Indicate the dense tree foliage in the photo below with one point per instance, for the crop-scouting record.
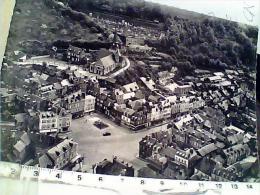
(211, 43)
(132, 8)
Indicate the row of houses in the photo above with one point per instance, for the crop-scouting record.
(176, 163)
(51, 122)
(78, 104)
(130, 106)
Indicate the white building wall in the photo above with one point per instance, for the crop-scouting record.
(89, 103)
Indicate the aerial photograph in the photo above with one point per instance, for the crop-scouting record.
(129, 88)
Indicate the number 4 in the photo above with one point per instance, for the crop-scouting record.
(249, 186)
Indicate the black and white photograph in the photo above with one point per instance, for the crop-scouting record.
(130, 88)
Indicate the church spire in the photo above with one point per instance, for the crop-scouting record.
(116, 39)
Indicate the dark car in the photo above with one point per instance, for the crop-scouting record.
(106, 134)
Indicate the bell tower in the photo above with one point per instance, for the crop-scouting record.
(115, 48)
(116, 41)
(117, 55)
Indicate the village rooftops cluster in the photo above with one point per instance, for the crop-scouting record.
(218, 138)
(184, 150)
(210, 116)
(134, 34)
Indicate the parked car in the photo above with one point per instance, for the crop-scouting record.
(106, 134)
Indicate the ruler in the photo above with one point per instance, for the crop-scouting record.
(59, 181)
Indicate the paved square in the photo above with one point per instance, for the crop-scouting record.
(95, 147)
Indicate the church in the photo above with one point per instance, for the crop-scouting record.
(107, 60)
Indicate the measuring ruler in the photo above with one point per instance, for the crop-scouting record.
(53, 181)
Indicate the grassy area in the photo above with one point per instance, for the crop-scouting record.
(35, 26)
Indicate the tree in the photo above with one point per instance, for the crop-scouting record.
(210, 35)
(185, 68)
(199, 59)
(204, 48)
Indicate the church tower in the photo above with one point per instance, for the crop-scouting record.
(116, 40)
(117, 55)
(115, 48)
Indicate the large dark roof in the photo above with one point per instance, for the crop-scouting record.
(206, 166)
(102, 53)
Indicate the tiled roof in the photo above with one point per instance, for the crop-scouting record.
(102, 53)
(106, 61)
(20, 146)
(206, 166)
(229, 175)
(131, 87)
(26, 139)
(169, 152)
(207, 149)
(129, 111)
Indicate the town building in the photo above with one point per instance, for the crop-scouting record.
(116, 167)
(76, 55)
(48, 122)
(236, 153)
(21, 148)
(61, 155)
(75, 104)
(146, 146)
(64, 121)
(90, 102)
(223, 175)
(135, 120)
(106, 63)
(183, 89)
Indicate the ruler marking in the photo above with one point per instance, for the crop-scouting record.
(104, 181)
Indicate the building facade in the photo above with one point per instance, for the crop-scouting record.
(48, 122)
(89, 104)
